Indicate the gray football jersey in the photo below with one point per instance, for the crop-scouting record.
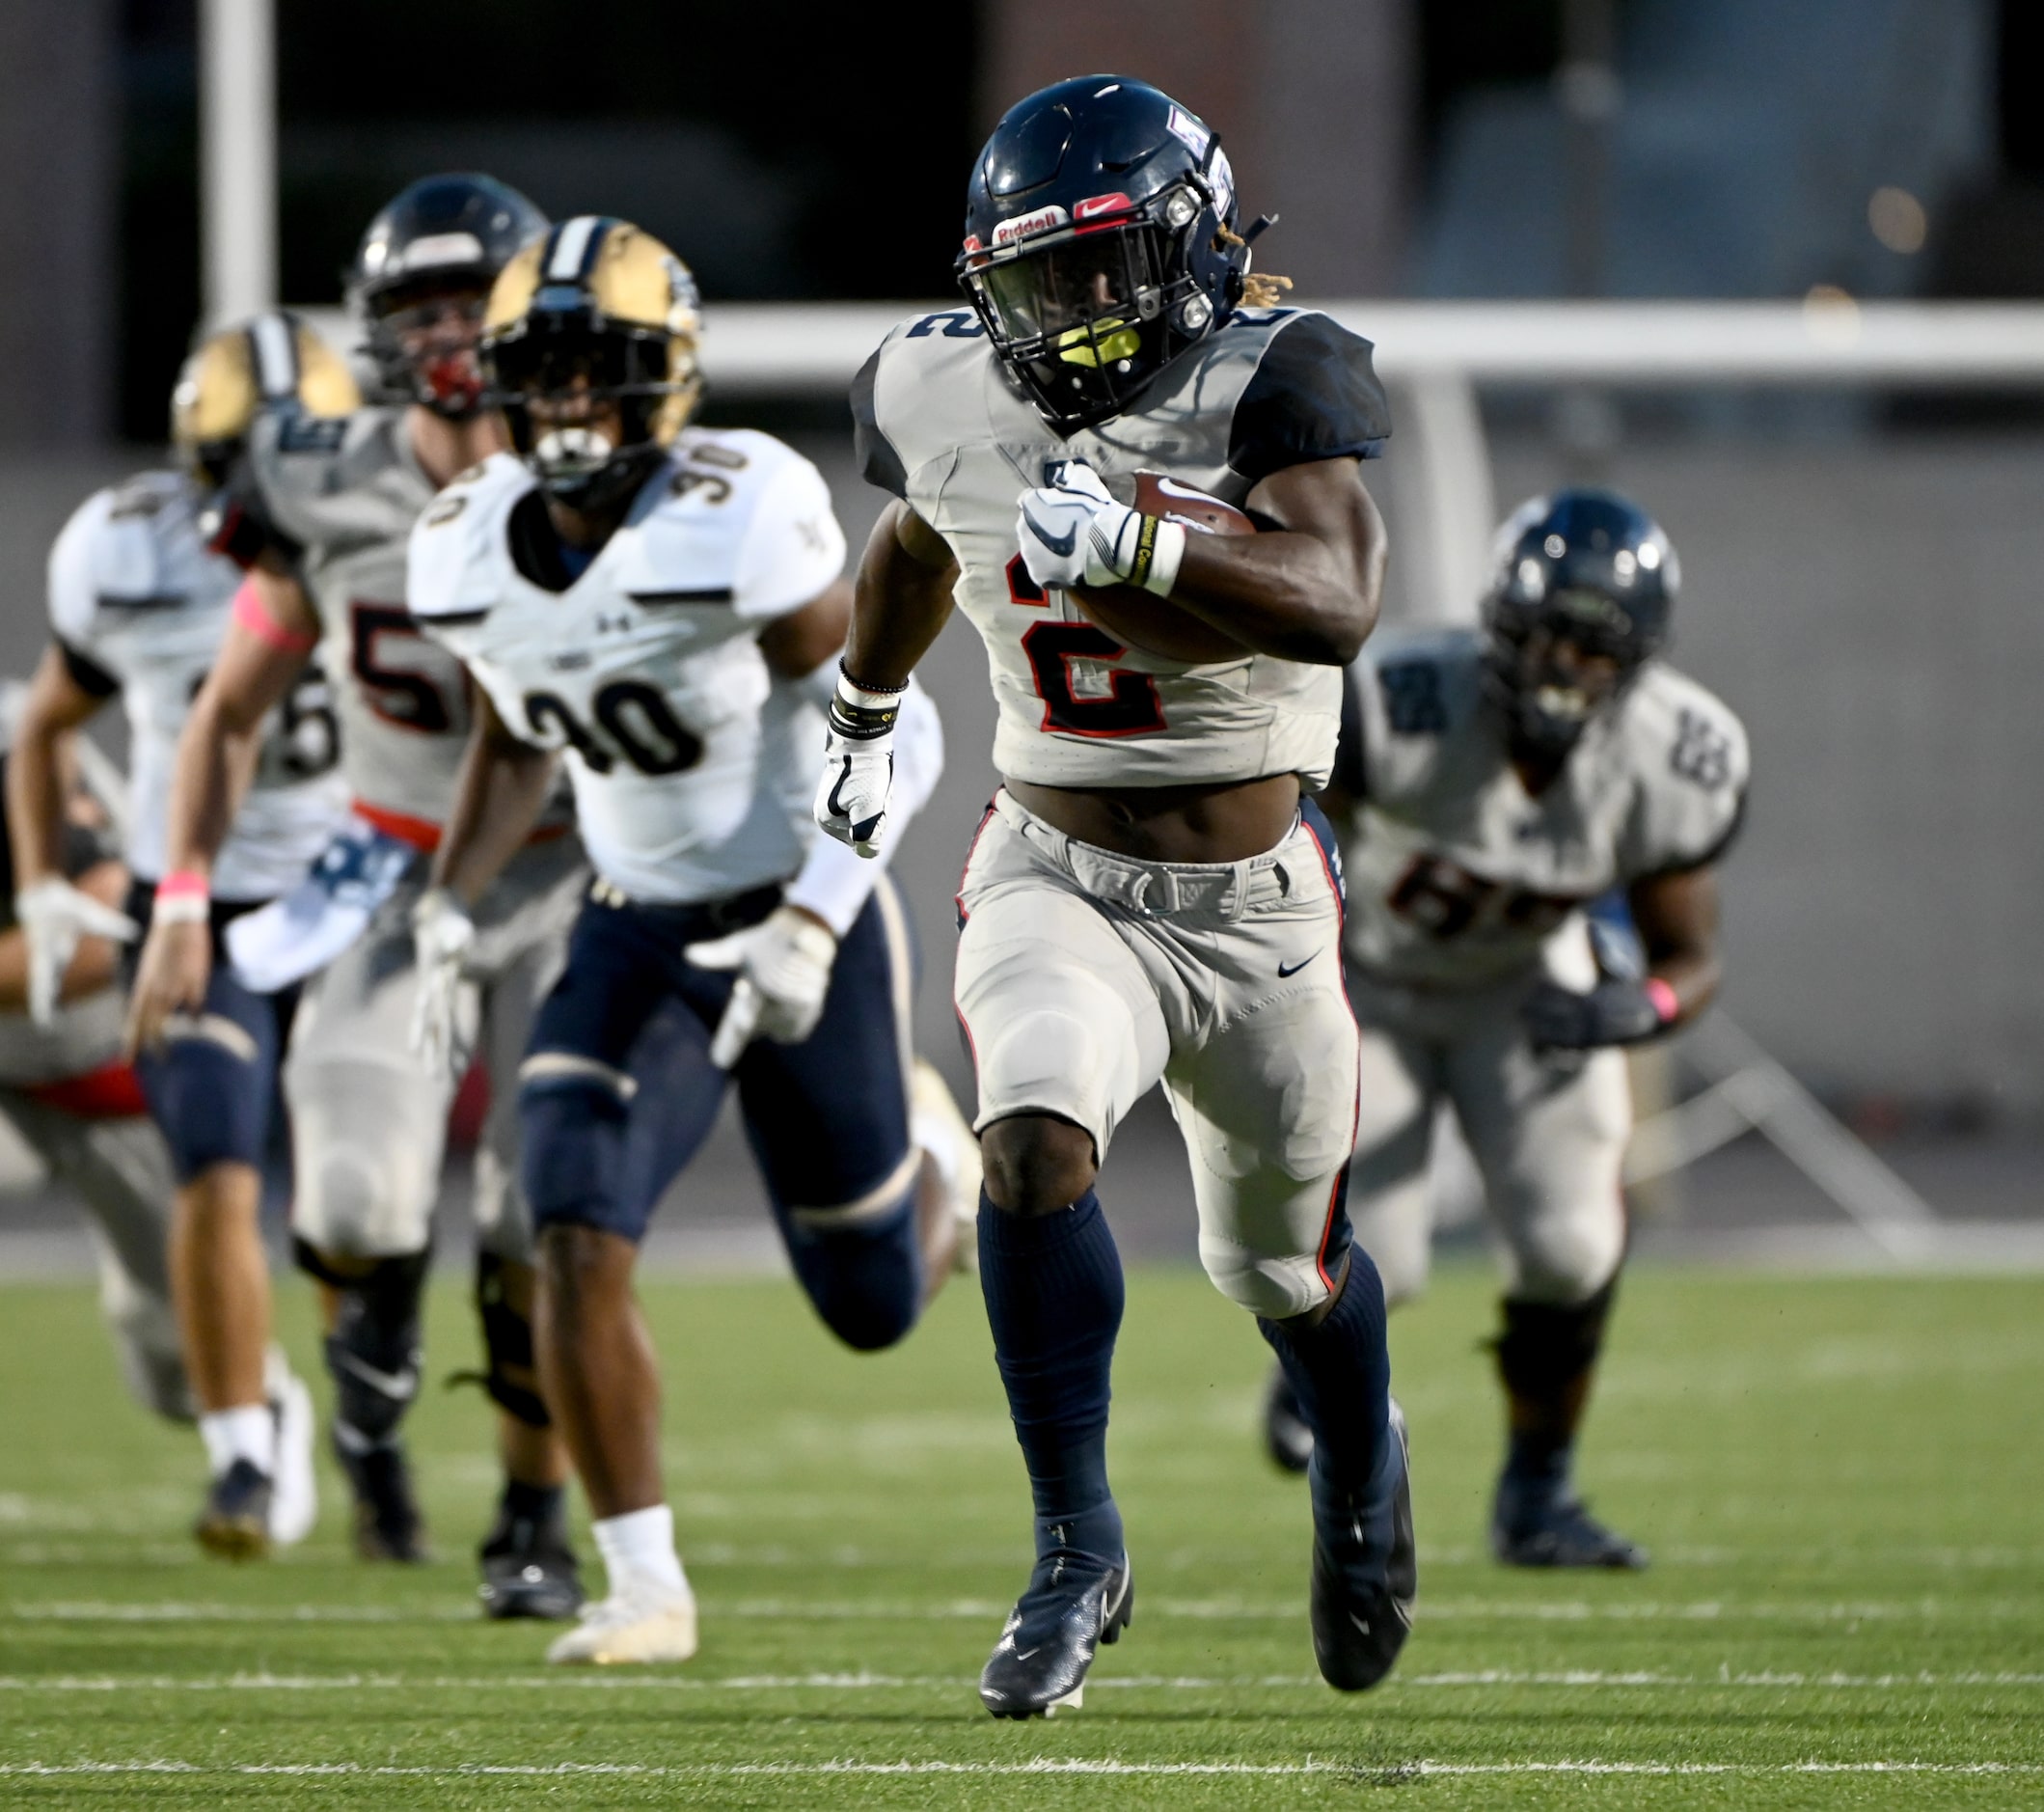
(137, 603)
(341, 494)
(1457, 877)
(940, 425)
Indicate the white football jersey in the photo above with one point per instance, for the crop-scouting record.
(940, 425)
(645, 669)
(1457, 877)
(341, 495)
(138, 603)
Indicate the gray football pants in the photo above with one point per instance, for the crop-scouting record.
(121, 1172)
(368, 1118)
(1548, 1131)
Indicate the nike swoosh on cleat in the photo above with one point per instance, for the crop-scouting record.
(1057, 544)
(1361, 1623)
(400, 1386)
(1023, 1654)
(1283, 971)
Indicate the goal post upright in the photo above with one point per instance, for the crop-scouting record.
(237, 158)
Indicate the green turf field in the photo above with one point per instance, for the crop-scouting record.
(1842, 1481)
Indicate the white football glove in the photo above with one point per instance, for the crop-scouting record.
(1072, 532)
(442, 934)
(783, 967)
(858, 764)
(53, 915)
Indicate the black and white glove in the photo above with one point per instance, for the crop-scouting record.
(53, 915)
(443, 935)
(1072, 532)
(783, 968)
(859, 763)
(1613, 1012)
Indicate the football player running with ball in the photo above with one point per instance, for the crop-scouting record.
(139, 609)
(1492, 784)
(1148, 898)
(664, 604)
(319, 511)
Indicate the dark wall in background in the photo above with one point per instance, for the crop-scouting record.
(57, 113)
(784, 149)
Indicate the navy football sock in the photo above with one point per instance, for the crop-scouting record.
(1053, 1290)
(1546, 1356)
(1341, 1373)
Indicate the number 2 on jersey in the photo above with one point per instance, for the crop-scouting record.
(1130, 706)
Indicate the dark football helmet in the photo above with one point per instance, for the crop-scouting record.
(589, 346)
(420, 278)
(1583, 587)
(1099, 242)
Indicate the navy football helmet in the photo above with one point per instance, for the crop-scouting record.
(418, 280)
(1099, 242)
(1579, 602)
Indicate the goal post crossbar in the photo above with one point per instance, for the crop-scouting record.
(815, 348)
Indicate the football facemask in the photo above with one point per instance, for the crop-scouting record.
(432, 335)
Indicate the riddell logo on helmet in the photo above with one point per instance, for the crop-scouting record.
(1022, 225)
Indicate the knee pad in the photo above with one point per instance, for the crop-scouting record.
(572, 1151)
(367, 1157)
(865, 1278)
(1259, 1256)
(1546, 1351)
(506, 1342)
(374, 1351)
(209, 1095)
(1049, 1063)
(1567, 1259)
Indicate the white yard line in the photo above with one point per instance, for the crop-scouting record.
(1042, 1764)
(576, 1679)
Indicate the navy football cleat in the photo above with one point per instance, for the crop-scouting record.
(1365, 1570)
(1553, 1527)
(1071, 1606)
(1287, 1438)
(236, 1522)
(388, 1525)
(529, 1570)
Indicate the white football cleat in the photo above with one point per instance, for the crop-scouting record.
(940, 1129)
(640, 1621)
(294, 1501)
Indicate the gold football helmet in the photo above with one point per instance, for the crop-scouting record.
(588, 345)
(272, 360)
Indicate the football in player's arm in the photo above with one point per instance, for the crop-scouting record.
(1493, 787)
(139, 607)
(662, 606)
(318, 512)
(1147, 899)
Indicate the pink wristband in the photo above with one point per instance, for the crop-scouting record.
(252, 613)
(183, 884)
(1664, 1000)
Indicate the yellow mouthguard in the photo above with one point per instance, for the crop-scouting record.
(1104, 343)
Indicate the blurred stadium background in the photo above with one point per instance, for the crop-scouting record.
(1543, 210)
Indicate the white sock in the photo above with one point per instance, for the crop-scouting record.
(640, 1542)
(930, 1134)
(247, 1433)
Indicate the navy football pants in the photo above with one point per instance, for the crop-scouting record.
(618, 1094)
(212, 1087)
